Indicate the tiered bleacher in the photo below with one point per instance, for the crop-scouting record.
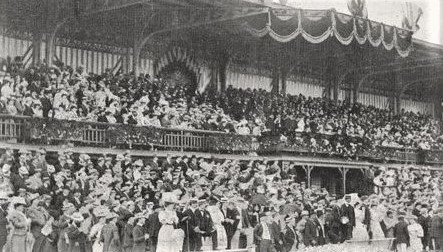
(253, 120)
(80, 203)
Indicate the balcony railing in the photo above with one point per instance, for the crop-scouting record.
(30, 130)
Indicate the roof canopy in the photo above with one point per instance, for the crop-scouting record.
(256, 36)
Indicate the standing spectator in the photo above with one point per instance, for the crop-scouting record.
(291, 238)
(436, 231)
(424, 219)
(138, 234)
(347, 218)
(168, 218)
(231, 222)
(401, 234)
(3, 220)
(154, 226)
(109, 234)
(19, 239)
(264, 235)
(415, 235)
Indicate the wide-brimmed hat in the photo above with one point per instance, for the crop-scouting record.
(77, 217)
(23, 170)
(111, 215)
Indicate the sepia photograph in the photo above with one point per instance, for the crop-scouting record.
(221, 125)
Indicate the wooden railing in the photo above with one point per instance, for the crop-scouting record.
(28, 130)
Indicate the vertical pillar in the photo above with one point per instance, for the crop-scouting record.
(355, 92)
(343, 172)
(308, 169)
(136, 52)
(275, 83)
(37, 39)
(438, 109)
(223, 65)
(126, 67)
(283, 76)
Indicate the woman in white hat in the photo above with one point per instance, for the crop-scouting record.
(167, 241)
(77, 239)
(20, 239)
(99, 212)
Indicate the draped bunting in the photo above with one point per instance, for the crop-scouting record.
(316, 26)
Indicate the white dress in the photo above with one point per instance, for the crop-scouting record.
(95, 235)
(168, 240)
(217, 218)
(415, 234)
(377, 231)
(359, 233)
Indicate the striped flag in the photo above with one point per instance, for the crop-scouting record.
(411, 15)
(358, 8)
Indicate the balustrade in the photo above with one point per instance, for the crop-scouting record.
(30, 130)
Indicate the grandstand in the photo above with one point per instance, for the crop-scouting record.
(336, 102)
(222, 48)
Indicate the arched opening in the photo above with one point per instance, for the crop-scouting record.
(178, 74)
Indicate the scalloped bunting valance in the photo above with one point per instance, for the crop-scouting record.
(316, 26)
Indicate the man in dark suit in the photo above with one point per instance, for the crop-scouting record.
(184, 165)
(436, 230)
(204, 221)
(347, 218)
(191, 228)
(154, 225)
(290, 235)
(231, 221)
(167, 164)
(401, 234)
(424, 219)
(193, 165)
(3, 220)
(264, 235)
(246, 229)
(310, 234)
(154, 163)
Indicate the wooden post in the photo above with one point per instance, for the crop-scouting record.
(343, 172)
(308, 169)
(36, 44)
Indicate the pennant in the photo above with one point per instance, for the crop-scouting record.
(411, 15)
(358, 8)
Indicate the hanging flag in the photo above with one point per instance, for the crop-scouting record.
(411, 15)
(358, 8)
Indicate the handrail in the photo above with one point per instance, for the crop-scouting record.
(111, 124)
(30, 129)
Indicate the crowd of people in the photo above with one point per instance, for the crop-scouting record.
(65, 93)
(70, 201)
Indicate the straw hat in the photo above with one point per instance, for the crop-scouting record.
(77, 217)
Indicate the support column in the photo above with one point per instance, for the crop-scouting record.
(343, 172)
(275, 80)
(223, 65)
(355, 92)
(283, 76)
(438, 109)
(37, 39)
(127, 64)
(136, 52)
(308, 169)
